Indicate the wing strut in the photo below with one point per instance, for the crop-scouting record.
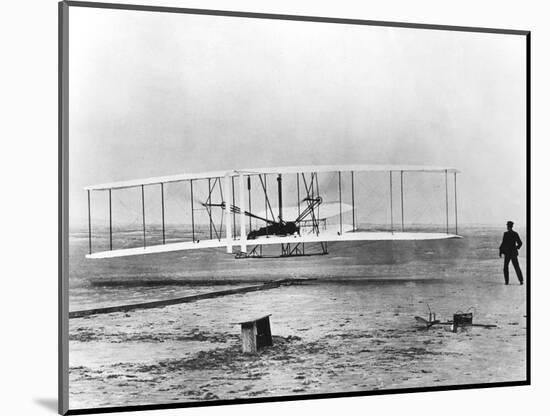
(249, 203)
(391, 201)
(265, 197)
(456, 210)
(192, 212)
(353, 201)
(446, 204)
(228, 235)
(209, 201)
(162, 206)
(298, 190)
(143, 213)
(318, 206)
(90, 222)
(402, 212)
(110, 222)
(241, 219)
(340, 197)
(280, 192)
(223, 199)
(233, 199)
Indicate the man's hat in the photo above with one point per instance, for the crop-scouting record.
(510, 223)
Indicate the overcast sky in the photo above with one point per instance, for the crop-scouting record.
(158, 94)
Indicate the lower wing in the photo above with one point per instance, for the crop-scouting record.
(331, 234)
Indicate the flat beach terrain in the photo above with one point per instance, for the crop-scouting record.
(348, 326)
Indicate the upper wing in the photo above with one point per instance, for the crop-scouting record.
(157, 180)
(275, 170)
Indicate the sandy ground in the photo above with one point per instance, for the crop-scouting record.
(330, 335)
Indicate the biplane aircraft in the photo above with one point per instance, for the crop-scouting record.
(291, 228)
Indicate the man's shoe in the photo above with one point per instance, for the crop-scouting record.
(521, 282)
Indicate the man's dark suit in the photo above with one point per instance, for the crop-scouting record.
(511, 243)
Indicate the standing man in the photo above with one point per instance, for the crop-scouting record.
(511, 243)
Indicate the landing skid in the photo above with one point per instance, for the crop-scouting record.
(287, 250)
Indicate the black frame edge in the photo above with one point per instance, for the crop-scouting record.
(302, 18)
(293, 398)
(63, 208)
(528, 195)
